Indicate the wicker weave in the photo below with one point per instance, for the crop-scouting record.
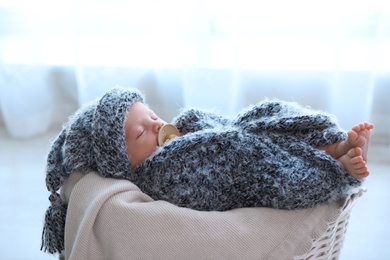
(329, 245)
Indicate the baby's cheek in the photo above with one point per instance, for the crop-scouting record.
(151, 150)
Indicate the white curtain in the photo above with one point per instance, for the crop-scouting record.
(223, 55)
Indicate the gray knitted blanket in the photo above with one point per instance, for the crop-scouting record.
(263, 158)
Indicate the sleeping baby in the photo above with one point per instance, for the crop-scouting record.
(275, 154)
(271, 155)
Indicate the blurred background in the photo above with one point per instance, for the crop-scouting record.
(222, 55)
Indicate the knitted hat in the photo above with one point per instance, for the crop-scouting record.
(92, 140)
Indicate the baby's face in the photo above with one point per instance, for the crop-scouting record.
(141, 131)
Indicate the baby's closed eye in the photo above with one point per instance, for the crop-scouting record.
(140, 133)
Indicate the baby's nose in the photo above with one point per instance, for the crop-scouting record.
(157, 126)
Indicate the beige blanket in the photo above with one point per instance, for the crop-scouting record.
(113, 219)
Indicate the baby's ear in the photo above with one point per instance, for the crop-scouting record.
(55, 169)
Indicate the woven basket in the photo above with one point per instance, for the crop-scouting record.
(329, 245)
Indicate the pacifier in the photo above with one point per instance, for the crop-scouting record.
(167, 132)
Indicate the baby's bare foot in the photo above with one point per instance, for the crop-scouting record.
(354, 163)
(359, 136)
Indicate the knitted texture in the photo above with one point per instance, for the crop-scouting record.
(92, 140)
(264, 157)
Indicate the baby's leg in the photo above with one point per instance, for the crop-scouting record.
(354, 163)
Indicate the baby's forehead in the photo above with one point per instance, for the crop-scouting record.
(140, 109)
